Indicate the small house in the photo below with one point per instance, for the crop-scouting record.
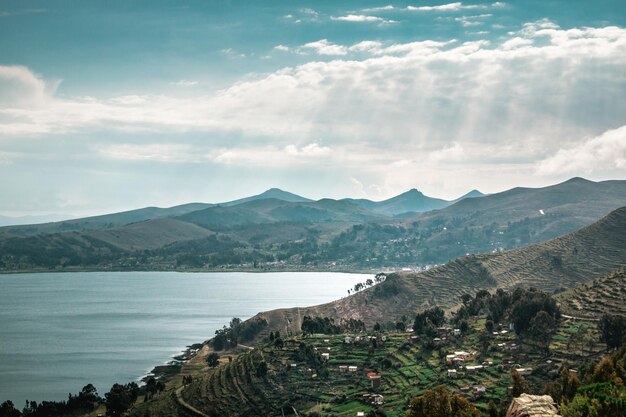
(343, 368)
(375, 379)
(443, 331)
(456, 332)
(347, 340)
(525, 371)
(452, 373)
(326, 356)
(478, 391)
(352, 368)
(374, 399)
(463, 355)
(472, 369)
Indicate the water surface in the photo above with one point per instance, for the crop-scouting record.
(61, 331)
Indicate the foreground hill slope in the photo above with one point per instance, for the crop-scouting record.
(559, 263)
(606, 294)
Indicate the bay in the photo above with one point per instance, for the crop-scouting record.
(61, 331)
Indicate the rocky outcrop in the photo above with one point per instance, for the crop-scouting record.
(532, 406)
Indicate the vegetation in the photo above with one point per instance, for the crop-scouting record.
(603, 393)
(326, 234)
(439, 403)
(237, 331)
(295, 375)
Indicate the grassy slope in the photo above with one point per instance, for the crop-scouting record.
(508, 219)
(559, 263)
(606, 294)
(235, 389)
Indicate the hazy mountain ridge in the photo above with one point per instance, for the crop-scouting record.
(312, 235)
(107, 221)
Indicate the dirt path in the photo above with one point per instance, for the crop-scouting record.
(186, 405)
(245, 347)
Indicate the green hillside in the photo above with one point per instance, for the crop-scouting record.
(271, 233)
(553, 265)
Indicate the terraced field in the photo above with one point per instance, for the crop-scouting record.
(593, 299)
(553, 265)
(293, 385)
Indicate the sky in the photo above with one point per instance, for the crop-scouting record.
(113, 105)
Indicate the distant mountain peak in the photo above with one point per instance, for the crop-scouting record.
(577, 180)
(413, 192)
(275, 193)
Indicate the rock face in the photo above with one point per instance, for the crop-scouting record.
(532, 406)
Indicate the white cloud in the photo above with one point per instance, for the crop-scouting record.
(185, 83)
(359, 18)
(515, 43)
(129, 100)
(453, 7)
(323, 47)
(507, 104)
(379, 9)
(21, 87)
(310, 150)
(452, 153)
(161, 152)
(476, 20)
(603, 153)
(290, 155)
(282, 48)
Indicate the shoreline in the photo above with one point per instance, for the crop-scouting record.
(346, 270)
(173, 366)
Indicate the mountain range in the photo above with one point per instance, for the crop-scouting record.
(277, 229)
(411, 201)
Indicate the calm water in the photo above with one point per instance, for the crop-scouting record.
(61, 331)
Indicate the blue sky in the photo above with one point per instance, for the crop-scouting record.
(114, 105)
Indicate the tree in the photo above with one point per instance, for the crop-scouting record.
(605, 371)
(120, 398)
(541, 328)
(261, 369)
(151, 387)
(439, 403)
(7, 409)
(489, 326)
(613, 330)
(519, 384)
(427, 321)
(580, 406)
(377, 327)
(279, 343)
(213, 359)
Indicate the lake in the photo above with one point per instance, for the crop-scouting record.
(61, 331)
